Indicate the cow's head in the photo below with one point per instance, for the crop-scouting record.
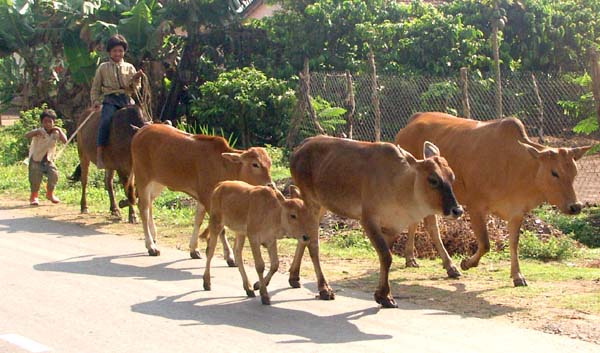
(254, 165)
(294, 215)
(434, 181)
(556, 171)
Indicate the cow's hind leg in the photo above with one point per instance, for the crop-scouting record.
(483, 241)
(109, 176)
(198, 219)
(85, 169)
(409, 247)
(215, 228)
(434, 232)
(125, 203)
(514, 229)
(147, 193)
(383, 294)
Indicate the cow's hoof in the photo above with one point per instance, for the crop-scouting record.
(326, 294)
(412, 263)
(115, 213)
(386, 302)
(453, 272)
(231, 263)
(265, 300)
(154, 252)
(250, 293)
(195, 254)
(256, 285)
(206, 285)
(520, 282)
(84, 210)
(294, 283)
(133, 220)
(464, 265)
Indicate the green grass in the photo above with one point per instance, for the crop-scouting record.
(583, 227)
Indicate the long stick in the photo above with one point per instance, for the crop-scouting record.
(74, 134)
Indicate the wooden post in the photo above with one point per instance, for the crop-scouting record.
(540, 108)
(496, 54)
(464, 81)
(375, 95)
(350, 104)
(595, 73)
(305, 95)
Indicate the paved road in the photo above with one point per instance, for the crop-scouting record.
(65, 288)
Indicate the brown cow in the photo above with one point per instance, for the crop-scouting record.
(164, 156)
(381, 185)
(499, 170)
(263, 215)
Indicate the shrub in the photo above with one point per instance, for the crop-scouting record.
(582, 227)
(530, 246)
(248, 104)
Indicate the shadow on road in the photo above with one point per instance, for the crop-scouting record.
(43, 226)
(271, 320)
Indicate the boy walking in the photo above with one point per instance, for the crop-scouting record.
(41, 156)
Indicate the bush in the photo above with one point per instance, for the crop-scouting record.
(247, 103)
(582, 227)
(530, 246)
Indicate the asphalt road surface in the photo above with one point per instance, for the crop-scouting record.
(65, 288)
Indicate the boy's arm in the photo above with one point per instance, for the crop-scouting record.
(33, 133)
(61, 135)
(96, 90)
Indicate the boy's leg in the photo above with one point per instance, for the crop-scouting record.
(52, 174)
(35, 179)
(103, 131)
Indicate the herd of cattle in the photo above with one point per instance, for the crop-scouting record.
(437, 162)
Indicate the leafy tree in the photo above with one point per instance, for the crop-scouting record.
(248, 104)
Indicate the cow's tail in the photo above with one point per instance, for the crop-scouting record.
(130, 189)
(76, 176)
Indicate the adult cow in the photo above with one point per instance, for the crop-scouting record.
(381, 185)
(499, 170)
(164, 156)
(117, 153)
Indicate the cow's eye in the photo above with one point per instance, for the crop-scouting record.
(554, 174)
(434, 181)
(255, 165)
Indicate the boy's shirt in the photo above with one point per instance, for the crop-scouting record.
(43, 145)
(112, 77)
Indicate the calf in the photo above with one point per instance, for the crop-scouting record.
(380, 184)
(499, 170)
(164, 156)
(263, 215)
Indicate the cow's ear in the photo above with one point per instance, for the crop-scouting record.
(578, 152)
(532, 150)
(407, 156)
(430, 150)
(295, 192)
(232, 157)
(280, 196)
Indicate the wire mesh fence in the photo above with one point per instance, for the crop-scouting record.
(533, 98)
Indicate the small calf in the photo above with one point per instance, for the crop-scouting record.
(262, 214)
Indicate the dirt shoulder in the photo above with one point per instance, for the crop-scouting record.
(485, 292)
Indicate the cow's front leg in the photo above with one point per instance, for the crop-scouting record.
(259, 264)
(325, 291)
(294, 279)
(514, 229)
(198, 219)
(240, 239)
(383, 294)
(483, 241)
(274, 264)
(434, 233)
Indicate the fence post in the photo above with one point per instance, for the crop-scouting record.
(536, 89)
(375, 95)
(464, 81)
(595, 73)
(305, 95)
(350, 105)
(496, 53)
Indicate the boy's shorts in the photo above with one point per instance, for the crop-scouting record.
(37, 170)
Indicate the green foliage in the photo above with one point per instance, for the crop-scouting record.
(553, 249)
(582, 227)
(330, 117)
(17, 146)
(354, 239)
(9, 78)
(206, 130)
(582, 109)
(246, 103)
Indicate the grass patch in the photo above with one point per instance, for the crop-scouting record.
(582, 227)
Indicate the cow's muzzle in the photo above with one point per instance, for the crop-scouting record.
(575, 208)
(455, 212)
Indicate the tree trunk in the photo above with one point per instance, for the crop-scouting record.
(375, 95)
(464, 80)
(595, 73)
(305, 95)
